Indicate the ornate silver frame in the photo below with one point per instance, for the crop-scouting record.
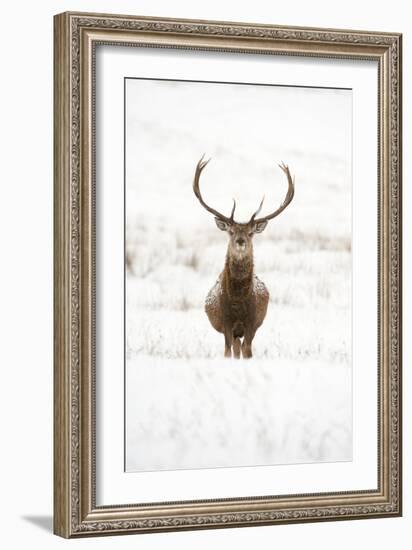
(75, 38)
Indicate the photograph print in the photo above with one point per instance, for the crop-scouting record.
(238, 268)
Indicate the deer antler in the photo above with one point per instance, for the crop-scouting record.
(200, 166)
(287, 200)
(252, 219)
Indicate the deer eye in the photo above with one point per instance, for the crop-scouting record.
(250, 234)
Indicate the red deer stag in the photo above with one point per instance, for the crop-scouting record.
(236, 306)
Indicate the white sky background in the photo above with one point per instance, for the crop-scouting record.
(185, 407)
(247, 130)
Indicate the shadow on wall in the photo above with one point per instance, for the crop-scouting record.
(43, 522)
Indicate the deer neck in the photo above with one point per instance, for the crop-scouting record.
(239, 274)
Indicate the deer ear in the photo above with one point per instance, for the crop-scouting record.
(222, 225)
(260, 226)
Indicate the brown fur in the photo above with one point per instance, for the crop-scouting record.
(236, 306)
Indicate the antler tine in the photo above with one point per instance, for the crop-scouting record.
(200, 166)
(233, 210)
(286, 201)
(252, 219)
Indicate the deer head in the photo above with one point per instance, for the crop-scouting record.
(241, 234)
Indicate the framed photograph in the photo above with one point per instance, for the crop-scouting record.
(227, 274)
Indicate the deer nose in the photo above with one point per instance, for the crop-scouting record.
(240, 241)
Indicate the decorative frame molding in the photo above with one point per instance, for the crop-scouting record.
(75, 37)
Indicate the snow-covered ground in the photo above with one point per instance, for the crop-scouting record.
(202, 413)
(187, 407)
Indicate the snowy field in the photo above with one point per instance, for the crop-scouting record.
(187, 407)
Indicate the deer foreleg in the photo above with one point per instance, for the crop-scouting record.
(236, 348)
(247, 345)
(228, 343)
